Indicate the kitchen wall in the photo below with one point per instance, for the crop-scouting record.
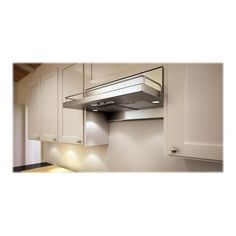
(32, 147)
(19, 135)
(133, 146)
(25, 151)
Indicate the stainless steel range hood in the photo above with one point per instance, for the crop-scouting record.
(129, 94)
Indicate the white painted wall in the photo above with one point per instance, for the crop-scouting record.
(32, 147)
(18, 134)
(25, 151)
(133, 146)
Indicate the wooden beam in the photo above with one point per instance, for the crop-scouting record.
(26, 67)
(20, 70)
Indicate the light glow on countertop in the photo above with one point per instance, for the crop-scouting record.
(75, 158)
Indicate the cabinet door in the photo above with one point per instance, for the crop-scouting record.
(99, 73)
(34, 110)
(49, 106)
(71, 123)
(194, 111)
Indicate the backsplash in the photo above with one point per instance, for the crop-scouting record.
(133, 146)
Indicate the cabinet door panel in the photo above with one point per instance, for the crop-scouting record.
(34, 110)
(71, 121)
(194, 112)
(96, 129)
(49, 104)
(99, 73)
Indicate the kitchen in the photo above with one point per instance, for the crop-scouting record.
(167, 175)
(83, 117)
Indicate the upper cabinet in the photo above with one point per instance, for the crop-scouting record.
(194, 111)
(49, 105)
(193, 105)
(70, 120)
(78, 126)
(49, 121)
(99, 73)
(34, 109)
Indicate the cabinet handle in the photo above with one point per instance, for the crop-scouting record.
(78, 141)
(38, 137)
(173, 149)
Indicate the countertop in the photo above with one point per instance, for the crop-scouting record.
(49, 169)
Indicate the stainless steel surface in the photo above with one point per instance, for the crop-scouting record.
(127, 82)
(173, 149)
(144, 114)
(133, 94)
(130, 98)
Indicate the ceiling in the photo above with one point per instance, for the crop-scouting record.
(20, 70)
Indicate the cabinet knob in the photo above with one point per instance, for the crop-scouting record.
(38, 137)
(173, 149)
(78, 141)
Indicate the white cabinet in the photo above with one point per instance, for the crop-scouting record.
(99, 73)
(194, 111)
(71, 122)
(34, 109)
(95, 129)
(78, 126)
(49, 105)
(49, 121)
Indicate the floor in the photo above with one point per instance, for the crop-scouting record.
(41, 167)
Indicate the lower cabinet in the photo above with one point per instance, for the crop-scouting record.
(194, 111)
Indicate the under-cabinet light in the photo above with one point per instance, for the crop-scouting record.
(155, 102)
